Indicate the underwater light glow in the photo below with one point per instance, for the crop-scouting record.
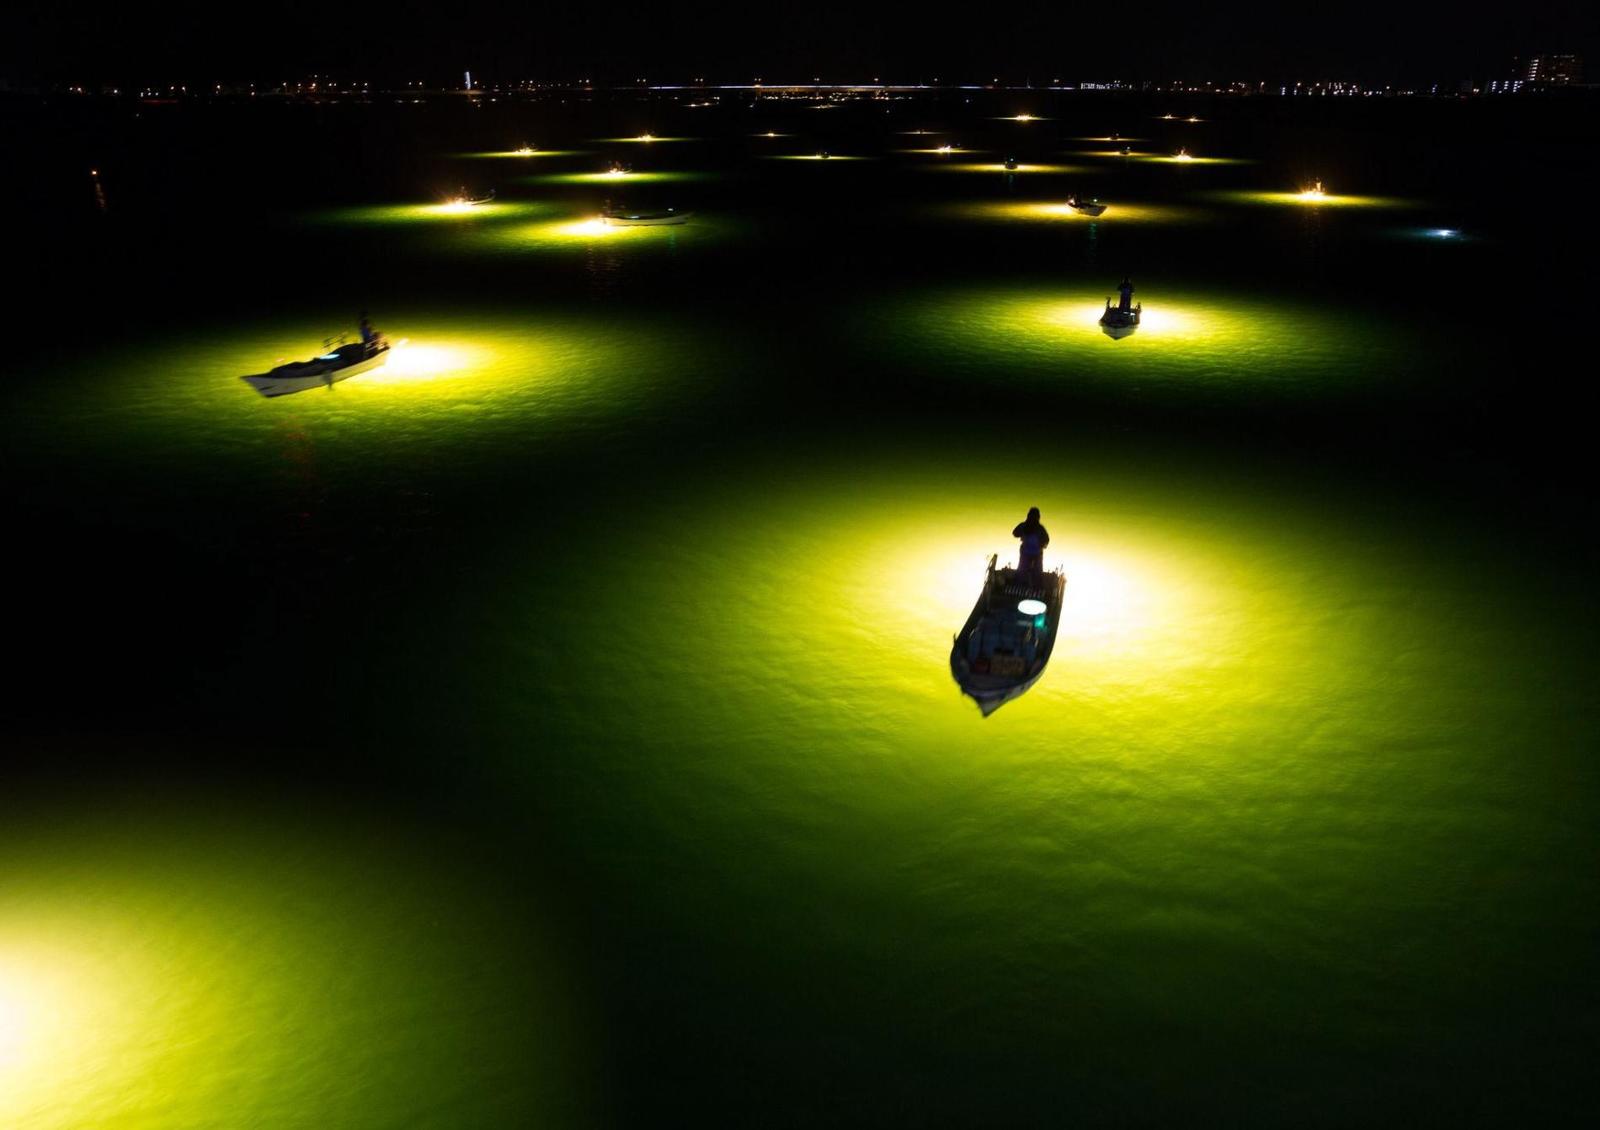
(615, 173)
(53, 1010)
(429, 360)
(449, 211)
(590, 228)
(1312, 196)
(524, 152)
(992, 167)
(1189, 342)
(159, 976)
(1037, 211)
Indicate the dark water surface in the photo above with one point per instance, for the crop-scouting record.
(554, 727)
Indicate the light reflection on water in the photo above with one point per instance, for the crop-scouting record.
(1188, 343)
(1057, 211)
(1225, 757)
(451, 380)
(161, 968)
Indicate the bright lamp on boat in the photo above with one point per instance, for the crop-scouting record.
(1031, 607)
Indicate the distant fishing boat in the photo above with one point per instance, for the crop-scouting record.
(339, 362)
(631, 217)
(1002, 649)
(465, 199)
(1011, 164)
(1091, 207)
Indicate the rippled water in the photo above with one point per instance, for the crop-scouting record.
(554, 727)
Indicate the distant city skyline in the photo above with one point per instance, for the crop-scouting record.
(503, 42)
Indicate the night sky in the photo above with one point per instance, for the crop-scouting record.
(1372, 42)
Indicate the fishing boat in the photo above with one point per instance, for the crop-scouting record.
(1011, 164)
(1090, 207)
(465, 199)
(1117, 322)
(339, 361)
(1002, 649)
(635, 217)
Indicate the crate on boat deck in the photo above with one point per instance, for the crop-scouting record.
(1007, 664)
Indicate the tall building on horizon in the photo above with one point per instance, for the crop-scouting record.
(1553, 70)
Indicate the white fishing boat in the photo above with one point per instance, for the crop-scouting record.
(648, 217)
(1002, 649)
(1090, 207)
(338, 362)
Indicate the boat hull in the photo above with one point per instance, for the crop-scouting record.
(286, 379)
(1000, 653)
(1118, 324)
(647, 219)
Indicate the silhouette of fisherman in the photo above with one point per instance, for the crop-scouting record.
(1030, 559)
(1126, 290)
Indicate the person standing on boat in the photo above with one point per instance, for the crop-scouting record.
(1030, 559)
(1126, 290)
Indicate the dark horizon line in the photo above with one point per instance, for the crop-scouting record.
(340, 83)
